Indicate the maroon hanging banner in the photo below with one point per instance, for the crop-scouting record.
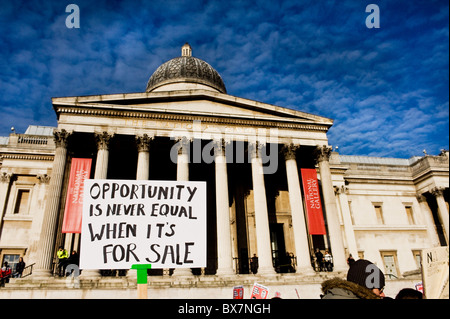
(79, 171)
(316, 223)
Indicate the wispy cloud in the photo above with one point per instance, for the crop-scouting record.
(386, 89)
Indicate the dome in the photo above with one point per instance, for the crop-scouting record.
(186, 69)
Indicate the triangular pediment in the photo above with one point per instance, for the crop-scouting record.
(193, 103)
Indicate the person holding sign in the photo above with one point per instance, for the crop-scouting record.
(126, 222)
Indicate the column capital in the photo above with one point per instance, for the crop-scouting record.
(61, 137)
(43, 178)
(5, 177)
(254, 148)
(322, 153)
(340, 190)
(183, 139)
(437, 191)
(220, 145)
(421, 198)
(103, 140)
(182, 142)
(290, 151)
(143, 142)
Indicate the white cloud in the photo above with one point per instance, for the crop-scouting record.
(384, 89)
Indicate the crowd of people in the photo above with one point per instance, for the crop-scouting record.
(6, 272)
(64, 260)
(323, 262)
(364, 281)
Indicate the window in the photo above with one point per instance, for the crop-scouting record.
(409, 214)
(12, 261)
(390, 264)
(379, 213)
(22, 201)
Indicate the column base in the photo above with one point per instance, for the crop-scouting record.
(225, 272)
(41, 273)
(132, 274)
(182, 272)
(306, 271)
(268, 271)
(343, 270)
(90, 274)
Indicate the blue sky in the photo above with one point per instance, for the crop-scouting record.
(386, 88)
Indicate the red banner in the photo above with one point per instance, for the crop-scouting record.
(316, 223)
(79, 171)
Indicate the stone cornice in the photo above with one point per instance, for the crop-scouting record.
(188, 118)
(379, 180)
(29, 157)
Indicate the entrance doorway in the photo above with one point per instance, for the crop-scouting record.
(282, 262)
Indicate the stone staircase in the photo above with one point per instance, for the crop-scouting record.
(188, 287)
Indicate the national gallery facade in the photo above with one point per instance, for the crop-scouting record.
(254, 158)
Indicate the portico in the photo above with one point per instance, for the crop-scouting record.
(141, 140)
(186, 127)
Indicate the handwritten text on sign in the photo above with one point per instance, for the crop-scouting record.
(125, 222)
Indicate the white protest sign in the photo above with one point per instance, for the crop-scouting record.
(126, 222)
(435, 271)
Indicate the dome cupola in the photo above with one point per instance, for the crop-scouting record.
(185, 72)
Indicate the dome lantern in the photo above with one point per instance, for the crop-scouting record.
(186, 50)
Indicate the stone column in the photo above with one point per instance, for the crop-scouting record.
(298, 216)
(261, 213)
(341, 193)
(46, 247)
(183, 175)
(334, 227)
(101, 166)
(438, 192)
(101, 172)
(5, 180)
(143, 144)
(224, 245)
(142, 173)
(183, 160)
(428, 215)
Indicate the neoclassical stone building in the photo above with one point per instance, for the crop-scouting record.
(186, 127)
